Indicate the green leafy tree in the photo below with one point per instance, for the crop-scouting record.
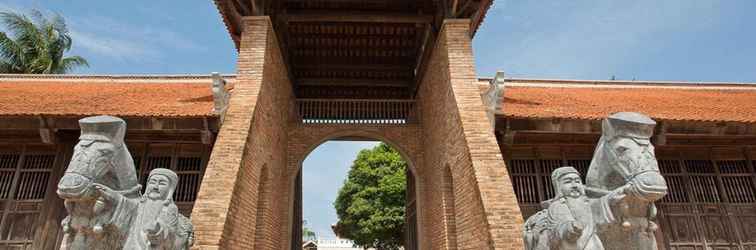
(36, 45)
(370, 204)
(307, 233)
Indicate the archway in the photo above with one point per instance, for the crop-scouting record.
(313, 140)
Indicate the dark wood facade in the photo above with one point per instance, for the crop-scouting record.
(709, 169)
(30, 168)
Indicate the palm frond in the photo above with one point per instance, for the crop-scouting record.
(37, 44)
(69, 63)
(10, 51)
(7, 68)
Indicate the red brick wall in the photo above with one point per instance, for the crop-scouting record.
(253, 135)
(456, 132)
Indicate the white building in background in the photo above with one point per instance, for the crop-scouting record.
(331, 244)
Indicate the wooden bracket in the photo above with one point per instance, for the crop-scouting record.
(46, 133)
(205, 134)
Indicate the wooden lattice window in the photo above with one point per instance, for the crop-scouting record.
(187, 160)
(737, 181)
(581, 165)
(676, 181)
(548, 166)
(703, 180)
(24, 180)
(524, 180)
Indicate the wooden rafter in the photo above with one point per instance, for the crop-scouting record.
(431, 34)
(242, 7)
(342, 17)
(349, 67)
(351, 82)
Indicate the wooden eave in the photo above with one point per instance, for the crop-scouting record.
(354, 44)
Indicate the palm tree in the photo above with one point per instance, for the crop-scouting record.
(307, 233)
(36, 45)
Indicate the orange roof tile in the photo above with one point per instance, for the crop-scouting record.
(596, 100)
(138, 96)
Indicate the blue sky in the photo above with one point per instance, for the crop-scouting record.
(324, 171)
(693, 40)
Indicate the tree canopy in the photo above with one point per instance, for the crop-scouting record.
(36, 45)
(371, 203)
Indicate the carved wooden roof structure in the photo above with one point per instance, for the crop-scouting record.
(368, 48)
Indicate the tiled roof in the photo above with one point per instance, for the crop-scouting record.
(527, 98)
(190, 96)
(134, 96)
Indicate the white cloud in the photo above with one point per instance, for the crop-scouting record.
(579, 38)
(120, 40)
(9, 7)
(114, 48)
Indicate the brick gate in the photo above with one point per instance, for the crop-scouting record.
(463, 192)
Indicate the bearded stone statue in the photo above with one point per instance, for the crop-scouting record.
(615, 210)
(101, 194)
(154, 218)
(571, 220)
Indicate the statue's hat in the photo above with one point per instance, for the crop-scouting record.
(558, 173)
(103, 128)
(629, 124)
(165, 172)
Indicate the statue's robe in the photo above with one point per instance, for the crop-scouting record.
(139, 215)
(592, 213)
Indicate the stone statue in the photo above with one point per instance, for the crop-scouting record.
(615, 210)
(570, 220)
(154, 220)
(101, 194)
(624, 158)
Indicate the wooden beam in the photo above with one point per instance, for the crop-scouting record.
(358, 18)
(454, 6)
(354, 67)
(421, 63)
(45, 133)
(351, 82)
(254, 9)
(466, 8)
(241, 7)
(232, 17)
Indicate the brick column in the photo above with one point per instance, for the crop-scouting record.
(457, 133)
(253, 136)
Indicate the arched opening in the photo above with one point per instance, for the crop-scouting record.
(321, 173)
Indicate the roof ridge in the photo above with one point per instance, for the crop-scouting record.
(545, 82)
(628, 82)
(112, 76)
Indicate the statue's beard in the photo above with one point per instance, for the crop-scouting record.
(154, 195)
(580, 208)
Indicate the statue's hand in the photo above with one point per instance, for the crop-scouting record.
(618, 195)
(577, 228)
(106, 193)
(574, 231)
(153, 231)
(153, 228)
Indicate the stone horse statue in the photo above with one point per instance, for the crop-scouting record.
(624, 159)
(99, 157)
(100, 162)
(615, 209)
